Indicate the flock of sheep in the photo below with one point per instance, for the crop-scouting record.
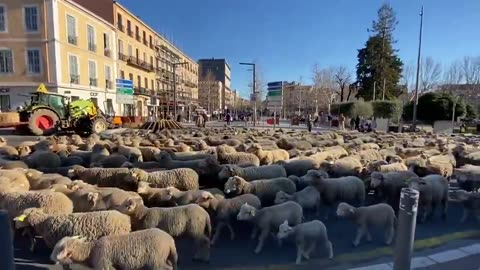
(120, 203)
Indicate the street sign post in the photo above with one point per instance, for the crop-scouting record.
(125, 91)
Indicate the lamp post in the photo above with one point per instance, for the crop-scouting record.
(415, 102)
(254, 93)
(175, 87)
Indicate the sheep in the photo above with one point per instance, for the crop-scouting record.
(3, 141)
(83, 200)
(189, 220)
(42, 157)
(70, 160)
(91, 225)
(99, 152)
(132, 153)
(346, 166)
(389, 185)
(270, 217)
(147, 165)
(470, 202)
(113, 161)
(268, 157)
(14, 181)
(226, 210)
(207, 166)
(104, 177)
(237, 158)
(378, 215)
(265, 190)
(186, 156)
(307, 236)
(369, 155)
(38, 180)
(468, 177)
(147, 249)
(384, 167)
(169, 194)
(299, 167)
(308, 198)
(252, 173)
(148, 152)
(9, 152)
(184, 179)
(433, 191)
(368, 146)
(12, 164)
(334, 190)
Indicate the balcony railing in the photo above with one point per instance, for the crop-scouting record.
(72, 40)
(93, 82)
(141, 64)
(130, 32)
(120, 27)
(139, 39)
(107, 52)
(141, 91)
(74, 78)
(145, 42)
(123, 57)
(92, 47)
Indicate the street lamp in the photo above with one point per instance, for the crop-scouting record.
(254, 93)
(415, 102)
(175, 87)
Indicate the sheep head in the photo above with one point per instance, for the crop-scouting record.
(281, 197)
(246, 212)
(23, 220)
(227, 171)
(284, 230)
(314, 176)
(377, 179)
(136, 175)
(234, 185)
(127, 207)
(345, 210)
(65, 250)
(204, 199)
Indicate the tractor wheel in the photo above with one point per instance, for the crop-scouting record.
(98, 125)
(43, 122)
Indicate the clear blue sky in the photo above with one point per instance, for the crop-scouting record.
(286, 37)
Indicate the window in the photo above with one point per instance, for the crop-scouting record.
(3, 19)
(151, 61)
(108, 77)
(120, 22)
(109, 109)
(137, 32)
(74, 98)
(130, 76)
(137, 54)
(33, 61)
(72, 30)
(151, 42)
(129, 28)
(73, 65)
(144, 38)
(92, 73)
(146, 82)
(120, 46)
(91, 38)
(122, 74)
(31, 18)
(6, 61)
(152, 84)
(106, 41)
(130, 50)
(94, 100)
(4, 103)
(144, 57)
(139, 81)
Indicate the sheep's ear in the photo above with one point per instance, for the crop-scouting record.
(131, 205)
(351, 210)
(92, 196)
(230, 169)
(252, 212)
(2, 139)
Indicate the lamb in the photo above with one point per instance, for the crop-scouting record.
(299, 167)
(91, 225)
(268, 157)
(54, 203)
(379, 215)
(169, 194)
(470, 201)
(104, 177)
(308, 198)
(334, 190)
(147, 249)
(433, 191)
(237, 158)
(270, 217)
(226, 210)
(389, 185)
(14, 181)
(184, 179)
(38, 180)
(42, 157)
(182, 221)
(307, 236)
(265, 190)
(83, 200)
(252, 173)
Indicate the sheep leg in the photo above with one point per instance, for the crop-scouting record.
(318, 206)
(309, 250)
(466, 213)
(300, 252)
(444, 209)
(360, 232)
(66, 267)
(254, 232)
(217, 232)
(369, 236)
(328, 246)
(232, 232)
(203, 249)
(389, 233)
(432, 211)
(261, 239)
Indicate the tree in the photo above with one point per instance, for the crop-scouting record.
(408, 76)
(210, 81)
(454, 73)
(323, 85)
(378, 65)
(342, 78)
(471, 70)
(434, 106)
(430, 75)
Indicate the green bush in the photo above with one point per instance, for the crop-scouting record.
(342, 107)
(471, 113)
(433, 107)
(363, 109)
(391, 109)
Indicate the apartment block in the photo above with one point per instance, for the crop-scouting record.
(297, 98)
(217, 70)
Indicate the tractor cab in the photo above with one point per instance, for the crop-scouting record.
(57, 102)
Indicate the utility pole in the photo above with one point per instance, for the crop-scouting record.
(374, 89)
(254, 90)
(415, 102)
(175, 88)
(384, 85)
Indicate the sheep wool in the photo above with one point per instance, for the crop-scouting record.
(147, 249)
(183, 179)
(268, 157)
(308, 198)
(252, 173)
(53, 203)
(103, 177)
(433, 191)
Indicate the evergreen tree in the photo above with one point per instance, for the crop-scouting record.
(378, 61)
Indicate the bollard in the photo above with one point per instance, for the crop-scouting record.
(405, 236)
(6, 243)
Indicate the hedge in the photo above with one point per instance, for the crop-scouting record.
(391, 109)
(379, 109)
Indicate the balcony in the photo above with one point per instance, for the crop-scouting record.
(108, 84)
(130, 32)
(138, 38)
(145, 41)
(120, 27)
(139, 63)
(93, 82)
(123, 57)
(107, 52)
(141, 91)
(73, 40)
(92, 47)
(75, 79)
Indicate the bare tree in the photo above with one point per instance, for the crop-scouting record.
(471, 70)
(431, 73)
(408, 76)
(210, 81)
(342, 78)
(454, 73)
(324, 85)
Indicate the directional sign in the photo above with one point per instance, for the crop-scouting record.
(125, 91)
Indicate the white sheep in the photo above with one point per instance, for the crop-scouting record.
(14, 180)
(269, 218)
(379, 215)
(132, 153)
(268, 157)
(252, 173)
(225, 157)
(433, 192)
(168, 194)
(146, 249)
(470, 201)
(265, 190)
(183, 178)
(306, 236)
(308, 198)
(226, 210)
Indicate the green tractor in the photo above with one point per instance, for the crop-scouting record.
(48, 113)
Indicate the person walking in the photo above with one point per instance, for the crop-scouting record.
(309, 123)
(341, 122)
(228, 119)
(357, 123)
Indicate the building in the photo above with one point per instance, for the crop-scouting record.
(217, 70)
(210, 95)
(79, 48)
(298, 99)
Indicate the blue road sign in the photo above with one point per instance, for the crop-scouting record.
(125, 82)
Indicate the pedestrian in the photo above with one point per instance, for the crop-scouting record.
(357, 123)
(329, 120)
(352, 124)
(341, 122)
(228, 119)
(309, 123)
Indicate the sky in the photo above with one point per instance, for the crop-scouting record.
(287, 37)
